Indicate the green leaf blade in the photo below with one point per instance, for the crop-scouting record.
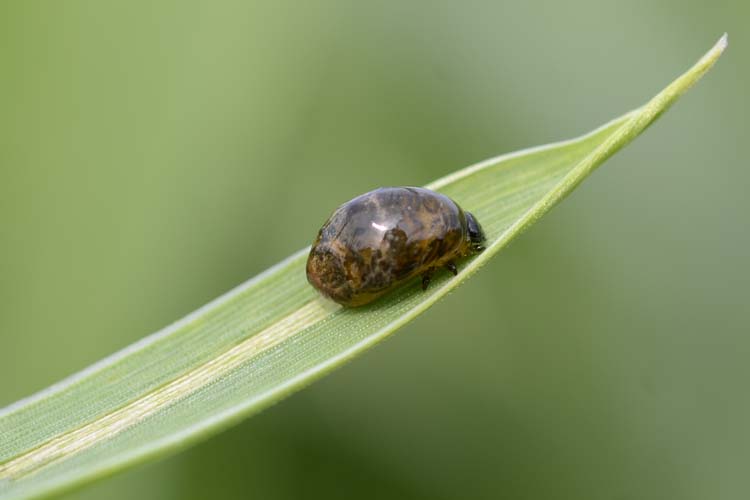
(273, 334)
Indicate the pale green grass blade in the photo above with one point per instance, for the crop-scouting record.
(273, 334)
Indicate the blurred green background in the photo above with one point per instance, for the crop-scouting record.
(155, 154)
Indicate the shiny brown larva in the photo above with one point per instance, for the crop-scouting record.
(382, 238)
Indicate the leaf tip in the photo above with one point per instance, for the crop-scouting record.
(716, 51)
(723, 42)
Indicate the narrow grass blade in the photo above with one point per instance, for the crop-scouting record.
(273, 334)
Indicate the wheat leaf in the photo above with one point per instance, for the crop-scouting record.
(273, 334)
